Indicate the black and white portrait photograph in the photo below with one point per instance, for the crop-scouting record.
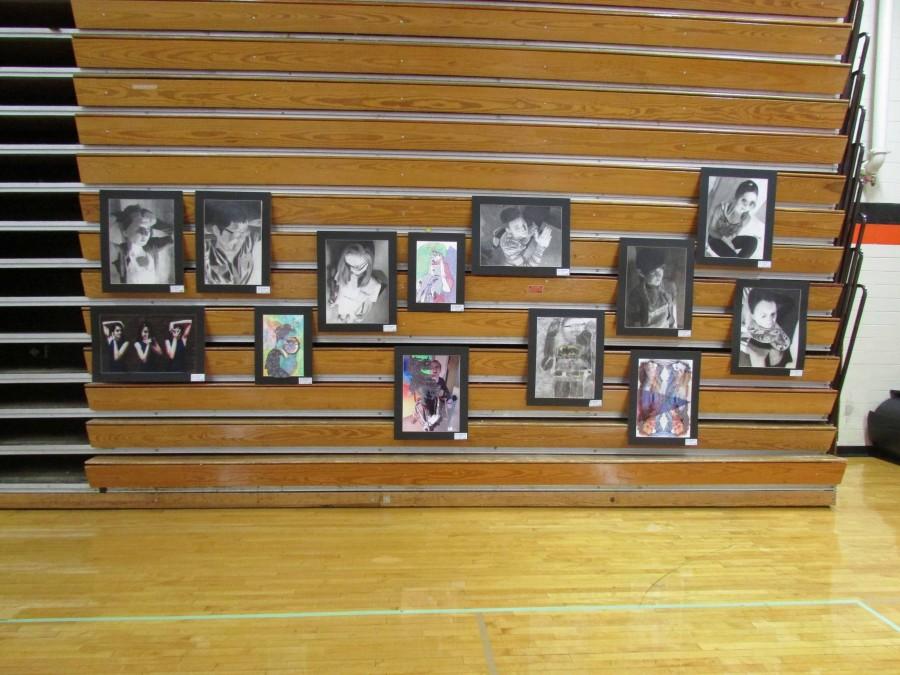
(437, 266)
(519, 236)
(565, 357)
(430, 392)
(736, 216)
(233, 239)
(769, 326)
(283, 346)
(147, 343)
(656, 282)
(663, 403)
(141, 245)
(357, 287)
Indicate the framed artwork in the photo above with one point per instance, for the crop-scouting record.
(233, 241)
(436, 278)
(357, 289)
(736, 216)
(519, 236)
(768, 334)
(655, 294)
(147, 344)
(431, 399)
(283, 345)
(141, 241)
(565, 357)
(663, 404)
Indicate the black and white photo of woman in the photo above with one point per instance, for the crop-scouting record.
(734, 228)
(141, 241)
(770, 326)
(357, 281)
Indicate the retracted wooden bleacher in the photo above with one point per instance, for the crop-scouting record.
(392, 115)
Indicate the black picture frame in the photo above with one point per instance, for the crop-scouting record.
(655, 293)
(447, 412)
(565, 357)
(768, 331)
(154, 356)
(233, 241)
(142, 241)
(280, 333)
(727, 234)
(499, 250)
(658, 411)
(436, 276)
(371, 306)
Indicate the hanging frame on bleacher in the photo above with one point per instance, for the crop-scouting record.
(357, 281)
(233, 241)
(565, 357)
(436, 272)
(141, 241)
(736, 217)
(768, 333)
(655, 293)
(520, 236)
(431, 394)
(283, 345)
(147, 344)
(664, 393)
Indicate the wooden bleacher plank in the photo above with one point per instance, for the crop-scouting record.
(423, 212)
(515, 23)
(373, 134)
(377, 397)
(833, 9)
(371, 172)
(498, 326)
(348, 362)
(342, 57)
(588, 498)
(412, 97)
(216, 433)
(217, 472)
(300, 286)
(299, 247)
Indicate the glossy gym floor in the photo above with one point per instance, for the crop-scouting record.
(458, 590)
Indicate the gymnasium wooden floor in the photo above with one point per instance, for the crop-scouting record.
(811, 590)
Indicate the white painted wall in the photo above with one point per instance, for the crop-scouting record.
(875, 366)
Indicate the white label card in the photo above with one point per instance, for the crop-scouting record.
(304, 380)
(263, 290)
(461, 436)
(562, 271)
(176, 288)
(684, 333)
(796, 373)
(389, 328)
(457, 308)
(198, 377)
(690, 441)
(764, 264)
(595, 403)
